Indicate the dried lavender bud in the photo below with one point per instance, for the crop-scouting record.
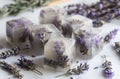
(106, 10)
(111, 35)
(107, 72)
(11, 69)
(27, 64)
(11, 52)
(76, 71)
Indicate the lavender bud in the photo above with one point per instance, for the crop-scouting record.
(111, 35)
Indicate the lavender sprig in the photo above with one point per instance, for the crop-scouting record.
(27, 64)
(11, 69)
(107, 72)
(8, 53)
(100, 12)
(11, 52)
(111, 35)
(20, 5)
(76, 71)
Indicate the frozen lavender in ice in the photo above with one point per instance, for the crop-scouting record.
(59, 52)
(88, 44)
(51, 14)
(18, 31)
(42, 33)
(74, 22)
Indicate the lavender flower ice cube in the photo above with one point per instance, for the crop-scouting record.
(42, 33)
(75, 22)
(59, 52)
(88, 44)
(18, 32)
(51, 14)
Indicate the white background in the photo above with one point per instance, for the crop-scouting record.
(49, 74)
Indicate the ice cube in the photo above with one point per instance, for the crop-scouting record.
(59, 52)
(87, 44)
(42, 33)
(51, 15)
(17, 31)
(75, 22)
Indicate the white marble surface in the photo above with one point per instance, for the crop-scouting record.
(49, 74)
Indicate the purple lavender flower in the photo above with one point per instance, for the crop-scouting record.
(108, 73)
(41, 34)
(25, 63)
(77, 71)
(99, 39)
(59, 47)
(111, 35)
(100, 6)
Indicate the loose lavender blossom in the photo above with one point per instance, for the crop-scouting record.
(111, 35)
(11, 69)
(105, 10)
(76, 71)
(10, 52)
(107, 72)
(27, 64)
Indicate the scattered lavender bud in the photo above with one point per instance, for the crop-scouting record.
(102, 9)
(11, 69)
(27, 64)
(76, 71)
(96, 67)
(11, 52)
(107, 72)
(111, 35)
